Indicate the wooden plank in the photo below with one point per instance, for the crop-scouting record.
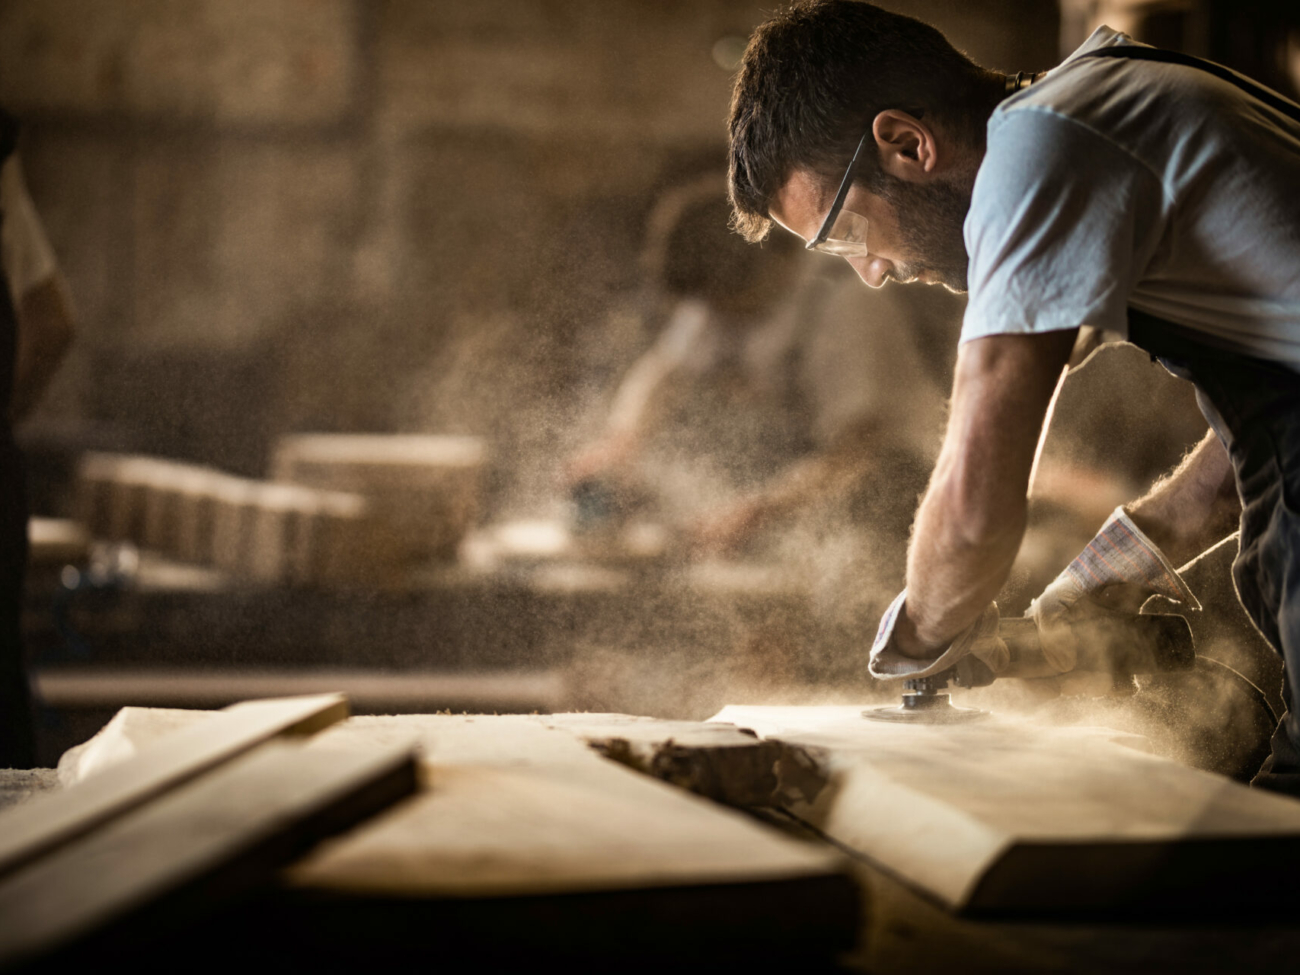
(56, 542)
(232, 522)
(196, 507)
(279, 517)
(518, 807)
(1006, 816)
(425, 489)
(529, 845)
(529, 842)
(33, 829)
(195, 847)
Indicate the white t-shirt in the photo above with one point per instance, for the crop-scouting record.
(24, 249)
(1116, 182)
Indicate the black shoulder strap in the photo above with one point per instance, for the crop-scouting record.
(1266, 95)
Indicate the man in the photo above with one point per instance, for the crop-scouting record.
(35, 331)
(1152, 199)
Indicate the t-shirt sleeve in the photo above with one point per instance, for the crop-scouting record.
(1062, 225)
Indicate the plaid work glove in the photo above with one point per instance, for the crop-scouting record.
(1120, 553)
(980, 639)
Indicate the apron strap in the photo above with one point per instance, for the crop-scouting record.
(1142, 53)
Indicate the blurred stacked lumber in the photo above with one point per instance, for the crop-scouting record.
(340, 509)
(259, 530)
(425, 489)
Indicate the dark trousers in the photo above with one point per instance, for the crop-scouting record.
(1254, 407)
(17, 741)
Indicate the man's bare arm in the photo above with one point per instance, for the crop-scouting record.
(970, 523)
(45, 330)
(1192, 507)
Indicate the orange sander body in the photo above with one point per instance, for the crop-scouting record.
(1122, 646)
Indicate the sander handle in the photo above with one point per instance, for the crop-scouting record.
(1112, 643)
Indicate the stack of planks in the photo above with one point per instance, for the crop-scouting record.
(523, 843)
(341, 510)
(425, 489)
(251, 529)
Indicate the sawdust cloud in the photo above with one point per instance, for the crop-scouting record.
(814, 651)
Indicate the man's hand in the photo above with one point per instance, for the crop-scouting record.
(1114, 575)
(980, 640)
(1134, 554)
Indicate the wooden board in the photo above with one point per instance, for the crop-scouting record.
(198, 845)
(519, 807)
(1004, 816)
(32, 830)
(423, 489)
(528, 842)
(56, 542)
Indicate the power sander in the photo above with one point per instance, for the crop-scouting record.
(1121, 646)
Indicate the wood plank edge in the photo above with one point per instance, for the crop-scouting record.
(26, 833)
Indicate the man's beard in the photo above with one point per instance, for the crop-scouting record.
(930, 218)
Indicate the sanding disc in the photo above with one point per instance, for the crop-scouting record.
(949, 714)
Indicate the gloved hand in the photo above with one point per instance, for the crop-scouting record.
(1120, 553)
(980, 639)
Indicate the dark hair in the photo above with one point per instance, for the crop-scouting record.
(691, 251)
(812, 80)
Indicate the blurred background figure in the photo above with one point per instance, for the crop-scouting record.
(784, 412)
(35, 331)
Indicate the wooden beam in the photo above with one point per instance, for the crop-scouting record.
(33, 829)
(195, 848)
(1004, 816)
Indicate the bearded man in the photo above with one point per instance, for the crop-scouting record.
(1128, 192)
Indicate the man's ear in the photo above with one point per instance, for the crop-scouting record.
(907, 146)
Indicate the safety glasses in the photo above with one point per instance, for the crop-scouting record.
(844, 233)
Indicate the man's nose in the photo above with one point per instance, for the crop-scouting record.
(872, 270)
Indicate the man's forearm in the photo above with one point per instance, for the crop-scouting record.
(953, 574)
(1193, 506)
(969, 525)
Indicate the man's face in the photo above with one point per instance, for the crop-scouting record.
(915, 229)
